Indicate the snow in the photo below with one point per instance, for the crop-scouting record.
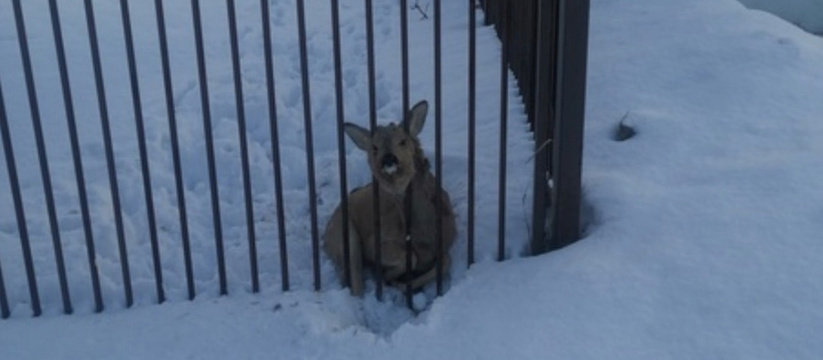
(702, 235)
(807, 14)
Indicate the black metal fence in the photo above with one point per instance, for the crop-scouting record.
(544, 45)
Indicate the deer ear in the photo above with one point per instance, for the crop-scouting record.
(416, 118)
(360, 136)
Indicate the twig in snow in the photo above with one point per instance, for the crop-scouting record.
(423, 12)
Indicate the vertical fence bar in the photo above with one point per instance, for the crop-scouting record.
(522, 49)
(41, 152)
(404, 52)
(512, 24)
(107, 143)
(517, 52)
(532, 17)
(546, 76)
(75, 151)
(504, 100)
(8, 150)
(407, 204)
(472, 136)
(214, 190)
(144, 158)
(438, 148)
(404, 56)
(304, 66)
(275, 144)
(341, 145)
(568, 132)
(528, 20)
(4, 301)
(378, 251)
(244, 151)
(497, 6)
(488, 12)
(175, 148)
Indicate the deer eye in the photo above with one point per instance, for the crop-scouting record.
(374, 148)
(403, 142)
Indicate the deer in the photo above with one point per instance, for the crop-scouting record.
(397, 163)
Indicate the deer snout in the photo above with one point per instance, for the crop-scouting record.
(389, 164)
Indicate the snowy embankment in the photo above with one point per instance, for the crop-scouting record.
(808, 14)
(704, 241)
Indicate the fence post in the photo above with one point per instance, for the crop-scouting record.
(307, 123)
(141, 146)
(544, 96)
(75, 151)
(570, 100)
(244, 147)
(504, 27)
(210, 157)
(472, 135)
(275, 144)
(15, 188)
(175, 147)
(4, 302)
(45, 174)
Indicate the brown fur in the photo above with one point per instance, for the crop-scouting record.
(412, 169)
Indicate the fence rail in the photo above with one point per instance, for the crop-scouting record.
(544, 45)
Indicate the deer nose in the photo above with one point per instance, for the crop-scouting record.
(389, 160)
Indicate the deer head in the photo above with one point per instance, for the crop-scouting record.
(394, 152)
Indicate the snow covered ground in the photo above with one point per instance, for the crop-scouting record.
(808, 14)
(705, 226)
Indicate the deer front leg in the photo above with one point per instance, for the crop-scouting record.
(355, 263)
(394, 259)
(398, 270)
(425, 278)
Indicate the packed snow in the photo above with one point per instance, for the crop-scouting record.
(702, 237)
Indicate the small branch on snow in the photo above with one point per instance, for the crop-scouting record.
(423, 12)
